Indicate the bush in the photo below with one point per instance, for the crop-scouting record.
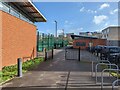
(9, 72)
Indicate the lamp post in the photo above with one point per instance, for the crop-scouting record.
(62, 37)
(37, 40)
(56, 27)
(63, 32)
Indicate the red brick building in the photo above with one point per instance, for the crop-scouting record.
(18, 38)
(84, 41)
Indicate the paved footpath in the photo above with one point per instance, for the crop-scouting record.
(58, 74)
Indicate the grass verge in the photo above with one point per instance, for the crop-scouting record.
(10, 72)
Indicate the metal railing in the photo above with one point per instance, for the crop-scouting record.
(101, 61)
(72, 54)
(102, 77)
(113, 84)
(96, 68)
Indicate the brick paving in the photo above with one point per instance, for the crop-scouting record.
(58, 74)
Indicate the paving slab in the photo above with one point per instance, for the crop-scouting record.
(58, 74)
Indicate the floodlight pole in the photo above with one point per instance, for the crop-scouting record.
(56, 27)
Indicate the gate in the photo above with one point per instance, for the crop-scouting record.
(72, 54)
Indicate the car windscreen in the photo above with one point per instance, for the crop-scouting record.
(114, 50)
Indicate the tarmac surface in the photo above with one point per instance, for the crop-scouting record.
(59, 74)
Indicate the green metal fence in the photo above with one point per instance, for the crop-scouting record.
(49, 42)
(45, 41)
(66, 42)
(60, 42)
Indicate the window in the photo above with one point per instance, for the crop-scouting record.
(24, 18)
(5, 7)
(108, 30)
(80, 44)
(107, 36)
(14, 12)
(1, 6)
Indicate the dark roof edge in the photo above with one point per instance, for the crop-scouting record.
(73, 36)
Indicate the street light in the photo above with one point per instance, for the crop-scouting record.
(63, 32)
(56, 27)
(62, 37)
(37, 40)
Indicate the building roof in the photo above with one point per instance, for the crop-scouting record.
(78, 36)
(111, 27)
(30, 10)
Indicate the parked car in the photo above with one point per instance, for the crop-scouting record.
(111, 53)
(91, 49)
(114, 55)
(98, 49)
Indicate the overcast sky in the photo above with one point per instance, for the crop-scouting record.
(77, 17)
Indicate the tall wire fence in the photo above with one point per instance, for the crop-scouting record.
(49, 42)
(45, 41)
(60, 42)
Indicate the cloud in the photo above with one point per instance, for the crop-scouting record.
(113, 25)
(99, 19)
(97, 30)
(41, 32)
(105, 5)
(68, 24)
(66, 21)
(106, 24)
(59, 31)
(79, 29)
(87, 10)
(114, 11)
(76, 31)
(53, 22)
(82, 9)
(91, 11)
(48, 31)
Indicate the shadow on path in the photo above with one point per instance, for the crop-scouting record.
(57, 74)
(60, 64)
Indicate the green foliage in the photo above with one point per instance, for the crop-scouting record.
(31, 63)
(9, 72)
(0, 76)
(114, 74)
(9, 68)
(104, 66)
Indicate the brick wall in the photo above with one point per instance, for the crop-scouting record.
(0, 39)
(81, 41)
(18, 39)
(99, 42)
(87, 41)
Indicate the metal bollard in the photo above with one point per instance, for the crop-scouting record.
(92, 69)
(19, 61)
(45, 52)
(52, 53)
(65, 53)
(79, 54)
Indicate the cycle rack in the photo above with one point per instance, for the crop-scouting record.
(96, 68)
(102, 61)
(113, 84)
(107, 70)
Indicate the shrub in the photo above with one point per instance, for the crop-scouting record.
(9, 72)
